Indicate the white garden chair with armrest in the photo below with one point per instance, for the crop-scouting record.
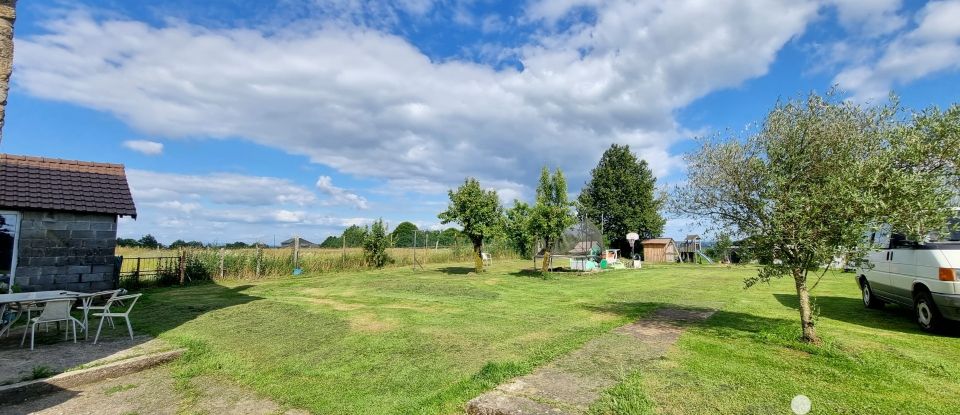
(54, 311)
(108, 313)
(87, 306)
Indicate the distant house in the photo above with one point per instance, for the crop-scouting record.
(58, 222)
(289, 243)
(659, 250)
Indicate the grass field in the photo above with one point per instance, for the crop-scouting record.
(396, 341)
(243, 263)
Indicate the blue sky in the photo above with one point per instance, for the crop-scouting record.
(254, 120)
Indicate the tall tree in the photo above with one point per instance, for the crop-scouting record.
(402, 235)
(621, 195)
(818, 174)
(148, 241)
(552, 214)
(517, 228)
(354, 235)
(8, 15)
(477, 211)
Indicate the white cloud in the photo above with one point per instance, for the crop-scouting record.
(370, 104)
(338, 195)
(227, 207)
(150, 148)
(869, 17)
(932, 46)
(219, 188)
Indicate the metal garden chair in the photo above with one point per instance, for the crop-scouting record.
(54, 311)
(108, 314)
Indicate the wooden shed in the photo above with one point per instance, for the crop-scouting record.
(659, 250)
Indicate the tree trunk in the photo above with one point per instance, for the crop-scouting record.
(546, 261)
(806, 315)
(546, 256)
(477, 257)
(8, 14)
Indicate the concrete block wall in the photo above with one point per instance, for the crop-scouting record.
(66, 251)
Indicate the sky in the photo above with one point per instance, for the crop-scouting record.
(255, 120)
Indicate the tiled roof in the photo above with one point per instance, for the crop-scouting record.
(68, 185)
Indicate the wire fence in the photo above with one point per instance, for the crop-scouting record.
(140, 267)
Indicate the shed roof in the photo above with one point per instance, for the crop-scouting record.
(658, 241)
(53, 184)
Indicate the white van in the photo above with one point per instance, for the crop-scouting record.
(924, 276)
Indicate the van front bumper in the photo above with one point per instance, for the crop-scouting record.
(948, 305)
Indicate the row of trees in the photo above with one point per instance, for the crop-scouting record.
(402, 236)
(621, 196)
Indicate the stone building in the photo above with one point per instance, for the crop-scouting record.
(58, 223)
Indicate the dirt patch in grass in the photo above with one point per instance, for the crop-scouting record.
(337, 305)
(370, 323)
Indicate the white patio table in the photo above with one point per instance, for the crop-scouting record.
(22, 299)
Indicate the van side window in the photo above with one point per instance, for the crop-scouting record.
(899, 240)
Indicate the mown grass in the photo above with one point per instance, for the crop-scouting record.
(397, 341)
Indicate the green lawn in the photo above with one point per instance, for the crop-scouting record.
(397, 341)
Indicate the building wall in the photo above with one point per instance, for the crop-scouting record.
(66, 251)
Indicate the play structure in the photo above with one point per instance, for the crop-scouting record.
(691, 250)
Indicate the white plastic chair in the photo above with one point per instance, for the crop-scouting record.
(54, 311)
(87, 305)
(111, 314)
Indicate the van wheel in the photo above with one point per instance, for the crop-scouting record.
(869, 300)
(928, 317)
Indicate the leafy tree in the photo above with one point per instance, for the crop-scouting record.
(402, 235)
(375, 245)
(180, 243)
(237, 245)
(552, 214)
(621, 195)
(148, 241)
(127, 242)
(819, 172)
(722, 246)
(354, 236)
(517, 228)
(332, 242)
(477, 211)
(448, 237)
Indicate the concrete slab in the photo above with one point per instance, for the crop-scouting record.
(570, 384)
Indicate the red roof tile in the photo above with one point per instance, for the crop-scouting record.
(55, 184)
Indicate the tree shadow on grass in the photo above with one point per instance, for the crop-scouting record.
(727, 320)
(456, 270)
(851, 310)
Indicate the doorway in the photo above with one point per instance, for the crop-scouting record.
(9, 228)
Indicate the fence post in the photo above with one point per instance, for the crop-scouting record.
(222, 253)
(183, 265)
(259, 257)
